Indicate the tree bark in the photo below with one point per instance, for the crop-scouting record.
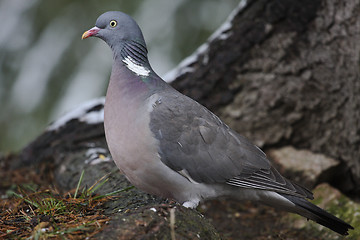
(287, 73)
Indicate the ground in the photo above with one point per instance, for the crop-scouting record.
(232, 219)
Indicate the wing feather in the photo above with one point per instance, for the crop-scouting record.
(193, 139)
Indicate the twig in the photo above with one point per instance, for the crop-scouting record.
(172, 223)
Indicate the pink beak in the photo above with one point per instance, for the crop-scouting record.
(91, 32)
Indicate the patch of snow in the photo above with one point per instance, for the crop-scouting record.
(92, 151)
(221, 33)
(185, 65)
(93, 117)
(81, 113)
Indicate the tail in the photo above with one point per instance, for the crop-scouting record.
(313, 212)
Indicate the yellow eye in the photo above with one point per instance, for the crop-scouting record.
(113, 23)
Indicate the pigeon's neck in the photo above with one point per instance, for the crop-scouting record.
(133, 54)
(131, 60)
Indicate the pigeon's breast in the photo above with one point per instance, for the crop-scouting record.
(133, 147)
(125, 122)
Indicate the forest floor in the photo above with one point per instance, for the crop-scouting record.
(31, 206)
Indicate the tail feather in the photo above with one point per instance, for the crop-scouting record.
(318, 215)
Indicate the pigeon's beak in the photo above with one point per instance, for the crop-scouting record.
(91, 32)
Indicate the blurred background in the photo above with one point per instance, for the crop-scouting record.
(46, 70)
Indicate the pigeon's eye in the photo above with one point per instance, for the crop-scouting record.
(113, 23)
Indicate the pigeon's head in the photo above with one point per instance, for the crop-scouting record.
(115, 28)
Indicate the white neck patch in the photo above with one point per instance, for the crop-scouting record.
(136, 68)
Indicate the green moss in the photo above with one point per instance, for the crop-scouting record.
(340, 206)
(335, 203)
(348, 211)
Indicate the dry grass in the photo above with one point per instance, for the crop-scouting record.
(31, 213)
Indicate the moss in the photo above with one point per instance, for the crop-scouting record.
(153, 222)
(337, 204)
(348, 211)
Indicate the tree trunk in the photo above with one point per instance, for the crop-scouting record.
(286, 73)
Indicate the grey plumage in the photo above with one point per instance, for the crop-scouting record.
(170, 145)
(194, 140)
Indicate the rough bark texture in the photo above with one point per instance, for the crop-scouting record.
(288, 74)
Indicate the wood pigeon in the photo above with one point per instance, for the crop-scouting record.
(170, 145)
